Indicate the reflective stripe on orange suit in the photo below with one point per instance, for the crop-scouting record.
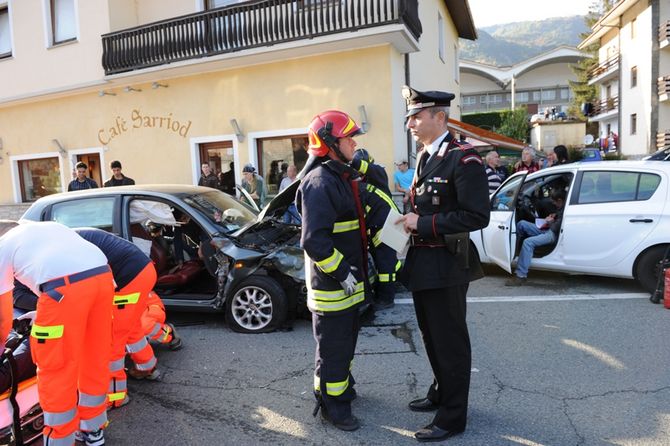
(153, 320)
(78, 353)
(127, 330)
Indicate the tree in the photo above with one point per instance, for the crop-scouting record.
(514, 123)
(582, 92)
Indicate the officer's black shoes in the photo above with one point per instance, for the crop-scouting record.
(349, 424)
(383, 305)
(515, 281)
(434, 433)
(422, 405)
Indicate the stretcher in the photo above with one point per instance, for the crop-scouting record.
(21, 418)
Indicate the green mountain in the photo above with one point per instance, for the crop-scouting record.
(511, 43)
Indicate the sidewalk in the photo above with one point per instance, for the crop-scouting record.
(12, 211)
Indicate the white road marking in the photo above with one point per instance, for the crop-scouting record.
(546, 298)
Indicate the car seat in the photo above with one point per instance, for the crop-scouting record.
(186, 273)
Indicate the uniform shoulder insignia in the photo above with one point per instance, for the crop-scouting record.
(462, 145)
(471, 158)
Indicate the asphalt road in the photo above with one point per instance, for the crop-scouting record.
(565, 360)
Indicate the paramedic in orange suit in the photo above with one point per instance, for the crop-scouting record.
(135, 277)
(154, 326)
(71, 336)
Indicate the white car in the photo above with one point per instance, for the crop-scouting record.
(616, 220)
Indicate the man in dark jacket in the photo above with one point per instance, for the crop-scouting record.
(118, 178)
(208, 178)
(82, 181)
(449, 198)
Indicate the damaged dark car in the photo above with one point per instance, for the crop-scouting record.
(212, 251)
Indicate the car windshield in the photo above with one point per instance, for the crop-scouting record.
(222, 209)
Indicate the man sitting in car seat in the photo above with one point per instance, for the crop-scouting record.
(537, 236)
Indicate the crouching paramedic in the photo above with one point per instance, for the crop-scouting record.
(385, 257)
(154, 326)
(71, 335)
(333, 237)
(135, 277)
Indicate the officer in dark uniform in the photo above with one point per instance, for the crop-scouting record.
(385, 257)
(332, 201)
(449, 198)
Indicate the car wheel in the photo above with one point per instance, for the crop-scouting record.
(257, 305)
(647, 268)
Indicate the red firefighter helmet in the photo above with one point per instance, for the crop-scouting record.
(326, 128)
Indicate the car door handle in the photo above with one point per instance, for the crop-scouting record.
(501, 227)
(641, 220)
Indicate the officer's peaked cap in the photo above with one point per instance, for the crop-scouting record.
(418, 100)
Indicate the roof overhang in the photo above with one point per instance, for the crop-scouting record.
(459, 10)
(492, 138)
(612, 19)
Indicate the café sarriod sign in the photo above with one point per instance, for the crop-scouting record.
(138, 121)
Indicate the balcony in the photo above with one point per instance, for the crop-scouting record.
(664, 88)
(663, 139)
(604, 109)
(605, 71)
(250, 25)
(664, 35)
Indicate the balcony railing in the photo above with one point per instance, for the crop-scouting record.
(664, 86)
(611, 63)
(248, 25)
(664, 32)
(604, 106)
(663, 139)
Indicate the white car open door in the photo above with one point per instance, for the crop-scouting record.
(499, 237)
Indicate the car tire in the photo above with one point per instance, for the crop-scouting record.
(257, 305)
(647, 269)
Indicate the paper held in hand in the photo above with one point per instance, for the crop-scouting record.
(394, 235)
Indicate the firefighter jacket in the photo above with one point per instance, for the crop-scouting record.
(331, 235)
(372, 173)
(450, 195)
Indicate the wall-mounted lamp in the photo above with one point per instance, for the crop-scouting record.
(365, 125)
(61, 149)
(128, 89)
(236, 128)
(102, 93)
(156, 85)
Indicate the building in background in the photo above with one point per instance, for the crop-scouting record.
(164, 86)
(632, 76)
(539, 83)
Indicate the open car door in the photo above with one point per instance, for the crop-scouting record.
(245, 198)
(499, 237)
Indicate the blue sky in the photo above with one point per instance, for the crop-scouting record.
(494, 12)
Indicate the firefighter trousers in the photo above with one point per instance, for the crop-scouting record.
(336, 337)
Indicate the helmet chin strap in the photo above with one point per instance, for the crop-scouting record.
(336, 151)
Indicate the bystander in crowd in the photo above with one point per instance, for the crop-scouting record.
(254, 184)
(81, 181)
(402, 179)
(527, 162)
(118, 178)
(208, 178)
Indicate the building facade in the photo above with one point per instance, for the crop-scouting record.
(540, 83)
(166, 85)
(632, 76)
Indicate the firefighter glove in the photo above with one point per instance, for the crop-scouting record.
(349, 284)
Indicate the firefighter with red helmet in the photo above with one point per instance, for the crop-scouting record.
(385, 257)
(333, 237)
